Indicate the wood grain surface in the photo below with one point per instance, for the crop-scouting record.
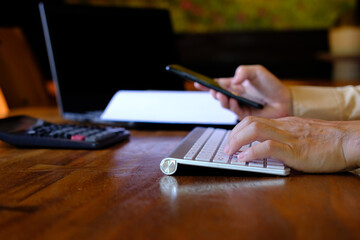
(120, 193)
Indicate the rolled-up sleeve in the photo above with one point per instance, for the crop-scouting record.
(328, 103)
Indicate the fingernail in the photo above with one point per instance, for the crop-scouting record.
(226, 149)
(241, 155)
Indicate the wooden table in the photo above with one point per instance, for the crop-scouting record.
(120, 193)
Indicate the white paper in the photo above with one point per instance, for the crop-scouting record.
(185, 107)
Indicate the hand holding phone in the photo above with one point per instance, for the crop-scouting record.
(210, 83)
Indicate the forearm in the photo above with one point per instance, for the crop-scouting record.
(327, 103)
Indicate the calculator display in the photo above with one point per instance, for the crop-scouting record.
(18, 124)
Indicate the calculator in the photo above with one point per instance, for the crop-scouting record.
(30, 132)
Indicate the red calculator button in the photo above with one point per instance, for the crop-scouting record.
(78, 137)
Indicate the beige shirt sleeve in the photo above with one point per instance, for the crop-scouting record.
(328, 103)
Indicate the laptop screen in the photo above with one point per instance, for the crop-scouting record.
(96, 51)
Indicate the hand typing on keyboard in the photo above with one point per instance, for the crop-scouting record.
(304, 144)
(205, 147)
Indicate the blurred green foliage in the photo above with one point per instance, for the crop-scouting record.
(235, 15)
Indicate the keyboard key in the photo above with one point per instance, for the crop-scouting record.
(198, 144)
(211, 145)
(235, 160)
(270, 160)
(221, 158)
(274, 164)
(244, 148)
(256, 163)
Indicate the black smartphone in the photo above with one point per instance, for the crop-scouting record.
(210, 83)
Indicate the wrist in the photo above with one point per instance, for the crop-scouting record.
(316, 102)
(351, 143)
(290, 103)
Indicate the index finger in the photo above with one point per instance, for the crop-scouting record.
(201, 87)
(230, 85)
(254, 129)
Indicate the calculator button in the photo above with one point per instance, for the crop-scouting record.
(90, 139)
(115, 129)
(78, 137)
(31, 132)
(104, 135)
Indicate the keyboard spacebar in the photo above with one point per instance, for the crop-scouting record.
(211, 146)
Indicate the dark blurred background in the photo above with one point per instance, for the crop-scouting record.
(290, 37)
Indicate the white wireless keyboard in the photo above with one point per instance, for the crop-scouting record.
(205, 147)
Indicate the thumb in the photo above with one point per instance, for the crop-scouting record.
(228, 84)
(268, 149)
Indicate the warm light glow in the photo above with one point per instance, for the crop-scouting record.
(235, 15)
(4, 109)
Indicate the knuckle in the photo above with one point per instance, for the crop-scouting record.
(255, 126)
(248, 120)
(259, 67)
(240, 70)
(269, 145)
(271, 148)
(251, 152)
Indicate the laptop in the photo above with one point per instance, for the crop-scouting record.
(95, 51)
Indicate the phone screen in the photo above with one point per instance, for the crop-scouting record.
(210, 83)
